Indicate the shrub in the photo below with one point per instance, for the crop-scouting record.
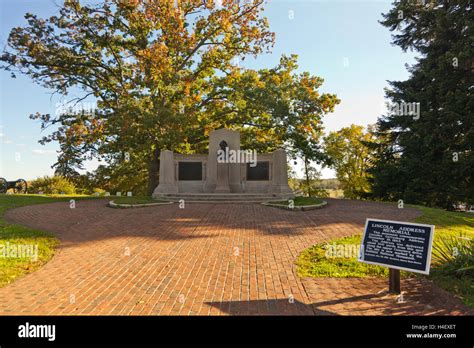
(99, 191)
(454, 255)
(52, 185)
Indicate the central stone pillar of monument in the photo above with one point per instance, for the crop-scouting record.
(222, 185)
(222, 177)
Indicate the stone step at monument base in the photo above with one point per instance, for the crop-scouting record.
(223, 197)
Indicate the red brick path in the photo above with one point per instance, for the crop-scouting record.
(204, 259)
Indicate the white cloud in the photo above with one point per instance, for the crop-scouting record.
(43, 152)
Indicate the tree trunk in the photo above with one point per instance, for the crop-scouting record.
(306, 171)
(153, 172)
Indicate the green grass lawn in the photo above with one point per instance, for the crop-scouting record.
(135, 200)
(314, 262)
(300, 201)
(10, 235)
(325, 260)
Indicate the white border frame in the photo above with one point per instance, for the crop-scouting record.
(428, 257)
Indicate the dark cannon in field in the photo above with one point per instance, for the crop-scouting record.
(18, 186)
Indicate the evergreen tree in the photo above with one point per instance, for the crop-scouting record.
(428, 158)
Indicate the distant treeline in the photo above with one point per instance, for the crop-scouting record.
(324, 184)
(330, 184)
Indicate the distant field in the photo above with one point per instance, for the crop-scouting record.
(336, 193)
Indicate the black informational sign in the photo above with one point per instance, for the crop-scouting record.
(400, 245)
(260, 172)
(190, 171)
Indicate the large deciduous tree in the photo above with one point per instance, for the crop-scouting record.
(351, 157)
(430, 159)
(272, 108)
(150, 64)
(165, 73)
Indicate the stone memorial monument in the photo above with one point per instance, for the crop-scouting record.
(227, 173)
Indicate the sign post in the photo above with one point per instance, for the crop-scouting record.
(399, 246)
(394, 280)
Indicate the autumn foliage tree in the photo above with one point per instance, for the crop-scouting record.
(149, 64)
(164, 74)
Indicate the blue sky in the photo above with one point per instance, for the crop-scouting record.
(340, 41)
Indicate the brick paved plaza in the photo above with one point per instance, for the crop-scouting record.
(206, 259)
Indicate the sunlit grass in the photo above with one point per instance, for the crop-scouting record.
(318, 261)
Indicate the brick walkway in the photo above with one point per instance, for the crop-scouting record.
(204, 259)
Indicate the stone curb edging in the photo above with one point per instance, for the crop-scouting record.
(112, 204)
(299, 208)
